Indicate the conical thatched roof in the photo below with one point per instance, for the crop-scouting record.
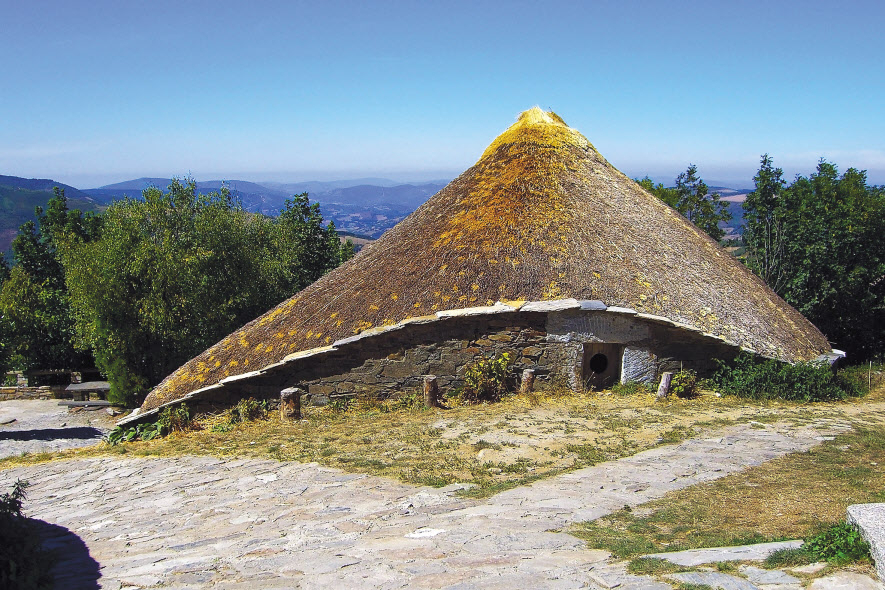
(541, 215)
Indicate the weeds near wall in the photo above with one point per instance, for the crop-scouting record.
(487, 380)
(246, 410)
(632, 388)
(685, 384)
(171, 419)
(838, 544)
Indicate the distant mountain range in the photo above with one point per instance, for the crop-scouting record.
(20, 196)
(364, 207)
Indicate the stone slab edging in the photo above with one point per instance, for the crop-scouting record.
(696, 557)
(870, 521)
(548, 307)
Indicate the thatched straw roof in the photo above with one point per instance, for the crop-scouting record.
(542, 215)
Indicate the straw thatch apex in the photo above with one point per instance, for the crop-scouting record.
(542, 216)
(535, 126)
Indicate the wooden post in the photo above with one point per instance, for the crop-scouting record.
(528, 381)
(431, 392)
(290, 404)
(664, 388)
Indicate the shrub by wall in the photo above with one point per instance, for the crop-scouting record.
(769, 379)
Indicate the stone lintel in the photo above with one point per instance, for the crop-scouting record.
(239, 377)
(554, 305)
(310, 352)
(482, 310)
(687, 327)
(656, 318)
(829, 358)
(624, 310)
(422, 319)
(592, 305)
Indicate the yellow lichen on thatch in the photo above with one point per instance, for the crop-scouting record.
(539, 127)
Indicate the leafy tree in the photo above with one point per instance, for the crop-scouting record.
(827, 253)
(5, 349)
(36, 323)
(765, 218)
(313, 249)
(174, 272)
(667, 195)
(698, 206)
(691, 198)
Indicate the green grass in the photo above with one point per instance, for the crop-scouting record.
(652, 566)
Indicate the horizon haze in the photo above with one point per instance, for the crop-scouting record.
(297, 91)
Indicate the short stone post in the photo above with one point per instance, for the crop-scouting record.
(664, 387)
(527, 385)
(431, 391)
(290, 404)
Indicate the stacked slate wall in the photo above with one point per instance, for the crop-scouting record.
(41, 392)
(548, 337)
(393, 363)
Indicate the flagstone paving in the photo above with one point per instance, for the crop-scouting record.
(194, 522)
(35, 426)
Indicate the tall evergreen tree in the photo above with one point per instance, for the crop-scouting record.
(37, 323)
(765, 219)
(703, 209)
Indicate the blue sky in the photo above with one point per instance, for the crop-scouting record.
(98, 92)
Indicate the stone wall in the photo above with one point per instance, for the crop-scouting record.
(393, 364)
(651, 345)
(550, 341)
(551, 337)
(42, 392)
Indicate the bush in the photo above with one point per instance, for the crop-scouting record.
(177, 419)
(838, 544)
(23, 561)
(864, 377)
(750, 378)
(487, 380)
(684, 384)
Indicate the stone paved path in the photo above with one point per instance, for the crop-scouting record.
(193, 522)
(34, 426)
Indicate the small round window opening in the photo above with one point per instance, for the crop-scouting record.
(598, 363)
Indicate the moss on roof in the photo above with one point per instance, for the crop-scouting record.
(541, 215)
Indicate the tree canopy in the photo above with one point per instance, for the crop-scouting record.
(173, 272)
(36, 323)
(691, 197)
(818, 243)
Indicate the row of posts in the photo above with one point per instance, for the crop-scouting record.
(290, 398)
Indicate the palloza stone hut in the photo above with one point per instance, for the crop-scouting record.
(542, 249)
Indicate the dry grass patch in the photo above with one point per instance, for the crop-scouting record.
(492, 446)
(787, 498)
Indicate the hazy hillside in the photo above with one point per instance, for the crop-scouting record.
(19, 197)
(353, 205)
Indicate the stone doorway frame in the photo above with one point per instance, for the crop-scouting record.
(601, 364)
